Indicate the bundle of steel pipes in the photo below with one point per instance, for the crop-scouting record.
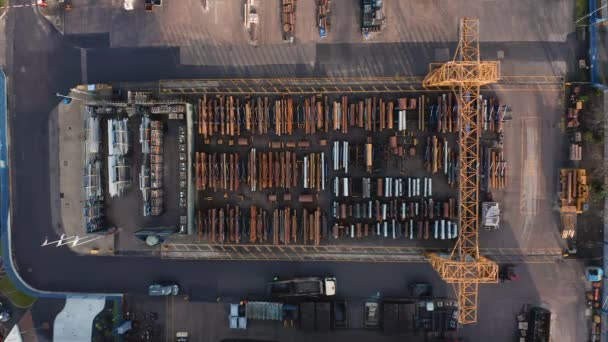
(219, 116)
(314, 171)
(272, 170)
(217, 171)
(220, 224)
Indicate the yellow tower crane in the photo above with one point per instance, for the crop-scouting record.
(464, 267)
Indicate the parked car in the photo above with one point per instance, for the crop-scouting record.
(163, 290)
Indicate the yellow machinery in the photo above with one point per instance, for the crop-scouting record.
(573, 196)
(464, 267)
(574, 190)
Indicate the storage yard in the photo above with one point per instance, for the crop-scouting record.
(318, 169)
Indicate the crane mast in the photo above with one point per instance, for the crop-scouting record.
(464, 267)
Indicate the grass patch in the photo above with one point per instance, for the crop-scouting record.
(17, 297)
(581, 9)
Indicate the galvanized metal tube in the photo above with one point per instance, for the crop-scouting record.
(306, 172)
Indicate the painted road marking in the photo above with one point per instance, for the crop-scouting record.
(20, 6)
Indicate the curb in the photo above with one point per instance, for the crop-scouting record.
(51, 20)
(7, 6)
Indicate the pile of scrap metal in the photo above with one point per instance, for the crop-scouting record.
(534, 325)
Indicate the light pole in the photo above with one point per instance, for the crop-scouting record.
(589, 14)
(68, 97)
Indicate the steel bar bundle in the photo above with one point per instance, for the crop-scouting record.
(283, 116)
(272, 170)
(314, 171)
(498, 174)
(217, 171)
(220, 115)
(257, 115)
(369, 155)
(220, 225)
(284, 226)
(340, 156)
(313, 223)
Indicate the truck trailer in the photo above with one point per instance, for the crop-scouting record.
(303, 287)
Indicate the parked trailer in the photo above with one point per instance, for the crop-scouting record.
(264, 311)
(539, 325)
(340, 314)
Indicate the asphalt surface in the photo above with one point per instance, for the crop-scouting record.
(40, 63)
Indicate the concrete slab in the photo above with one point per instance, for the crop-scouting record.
(67, 123)
(185, 21)
(75, 322)
(14, 335)
(533, 150)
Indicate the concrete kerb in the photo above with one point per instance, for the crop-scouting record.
(5, 215)
(604, 326)
(6, 8)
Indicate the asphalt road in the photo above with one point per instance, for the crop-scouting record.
(40, 63)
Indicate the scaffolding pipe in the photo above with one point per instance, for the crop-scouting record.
(322, 170)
